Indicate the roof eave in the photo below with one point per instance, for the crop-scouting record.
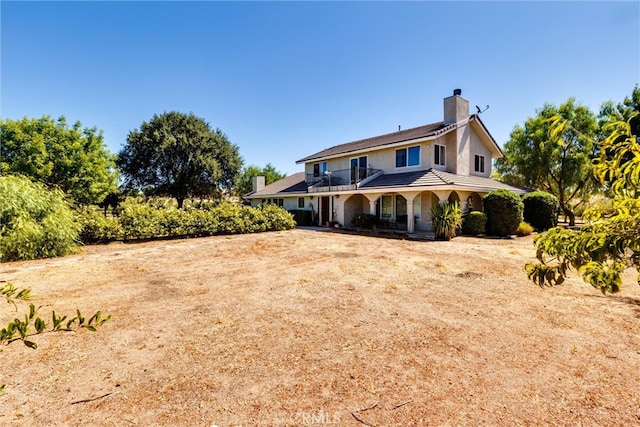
(376, 148)
(495, 146)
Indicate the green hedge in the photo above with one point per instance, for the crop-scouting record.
(96, 227)
(34, 222)
(149, 221)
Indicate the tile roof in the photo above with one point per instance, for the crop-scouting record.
(432, 129)
(291, 184)
(432, 177)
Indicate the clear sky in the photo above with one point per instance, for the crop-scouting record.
(287, 79)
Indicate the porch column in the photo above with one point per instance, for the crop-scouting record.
(411, 222)
(373, 198)
(372, 207)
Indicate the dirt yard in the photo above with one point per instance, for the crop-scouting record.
(317, 328)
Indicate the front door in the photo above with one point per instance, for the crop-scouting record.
(324, 210)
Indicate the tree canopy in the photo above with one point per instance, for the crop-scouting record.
(558, 163)
(179, 155)
(71, 158)
(244, 182)
(608, 243)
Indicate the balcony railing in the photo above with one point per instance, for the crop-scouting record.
(340, 177)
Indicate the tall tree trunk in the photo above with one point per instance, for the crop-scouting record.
(569, 213)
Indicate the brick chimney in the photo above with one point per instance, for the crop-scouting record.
(257, 183)
(456, 108)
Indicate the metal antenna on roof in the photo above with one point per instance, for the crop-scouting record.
(481, 111)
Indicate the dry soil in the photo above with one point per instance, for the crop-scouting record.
(316, 328)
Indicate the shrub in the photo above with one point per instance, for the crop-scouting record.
(541, 210)
(504, 212)
(97, 228)
(364, 220)
(524, 229)
(156, 220)
(277, 218)
(34, 222)
(474, 223)
(141, 221)
(446, 219)
(302, 217)
(229, 218)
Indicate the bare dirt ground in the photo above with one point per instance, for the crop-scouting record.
(311, 328)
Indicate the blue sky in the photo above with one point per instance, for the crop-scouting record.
(287, 79)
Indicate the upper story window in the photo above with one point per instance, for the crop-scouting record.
(408, 157)
(438, 154)
(479, 164)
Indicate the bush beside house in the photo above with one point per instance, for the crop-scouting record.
(504, 211)
(474, 223)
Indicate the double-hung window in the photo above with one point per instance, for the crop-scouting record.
(479, 164)
(438, 154)
(408, 157)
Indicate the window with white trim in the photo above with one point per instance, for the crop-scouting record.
(408, 157)
(300, 202)
(479, 164)
(438, 154)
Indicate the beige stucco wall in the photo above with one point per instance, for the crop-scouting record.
(476, 146)
(461, 146)
(289, 203)
(385, 159)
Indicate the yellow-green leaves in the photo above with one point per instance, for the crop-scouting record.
(608, 242)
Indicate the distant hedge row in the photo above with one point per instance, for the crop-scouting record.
(144, 221)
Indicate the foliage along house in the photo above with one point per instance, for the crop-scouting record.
(398, 176)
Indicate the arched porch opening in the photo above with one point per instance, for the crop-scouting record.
(355, 204)
(474, 202)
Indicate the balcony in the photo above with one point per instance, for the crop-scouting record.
(338, 180)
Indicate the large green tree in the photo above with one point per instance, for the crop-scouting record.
(244, 183)
(71, 158)
(608, 243)
(625, 111)
(558, 163)
(179, 155)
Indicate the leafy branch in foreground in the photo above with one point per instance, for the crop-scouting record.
(608, 243)
(21, 330)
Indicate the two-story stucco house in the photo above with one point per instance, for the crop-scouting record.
(398, 176)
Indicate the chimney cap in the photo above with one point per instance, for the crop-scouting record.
(457, 92)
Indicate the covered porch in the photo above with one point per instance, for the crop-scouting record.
(408, 211)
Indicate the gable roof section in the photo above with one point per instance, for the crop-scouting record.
(493, 145)
(291, 184)
(430, 131)
(433, 129)
(432, 178)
